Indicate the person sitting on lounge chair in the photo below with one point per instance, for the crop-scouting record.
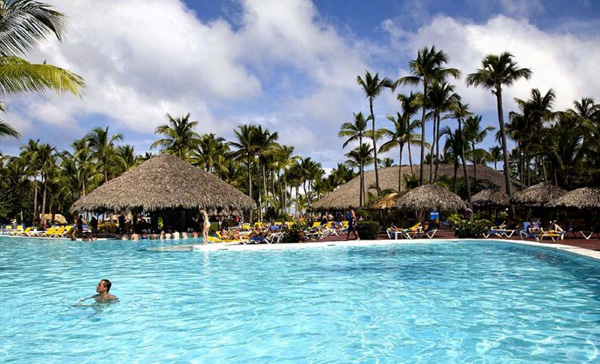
(534, 228)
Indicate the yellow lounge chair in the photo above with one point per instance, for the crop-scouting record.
(24, 232)
(49, 232)
(413, 231)
(58, 232)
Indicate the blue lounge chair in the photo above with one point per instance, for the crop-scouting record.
(524, 233)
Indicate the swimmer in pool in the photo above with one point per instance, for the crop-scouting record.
(103, 288)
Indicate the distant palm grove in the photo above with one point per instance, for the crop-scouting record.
(559, 147)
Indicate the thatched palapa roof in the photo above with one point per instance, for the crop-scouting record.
(347, 195)
(581, 198)
(429, 197)
(537, 195)
(386, 202)
(490, 198)
(164, 182)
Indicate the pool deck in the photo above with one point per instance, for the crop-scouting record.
(589, 248)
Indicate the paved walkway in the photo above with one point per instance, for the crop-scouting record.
(592, 244)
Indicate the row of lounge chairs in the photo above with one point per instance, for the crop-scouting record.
(51, 232)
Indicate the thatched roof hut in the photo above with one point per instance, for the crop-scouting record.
(429, 197)
(386, 202)
(347, 195)
(164, 182)
(490, 198)
(585, 198)
(537, 195)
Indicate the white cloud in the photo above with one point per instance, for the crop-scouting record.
(562, 61)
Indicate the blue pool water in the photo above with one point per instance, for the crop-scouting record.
(467, 302)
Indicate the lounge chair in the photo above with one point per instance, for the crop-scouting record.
(525, 233)
(587, 235)
(414, 231)
(58, 232)
(393, 232)
(499, 231)
(46, 233)
(429, 233)
(554, 235)
(24, 232)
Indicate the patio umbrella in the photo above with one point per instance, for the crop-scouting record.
(386, 202)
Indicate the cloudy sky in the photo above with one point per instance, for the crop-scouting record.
(290, 65)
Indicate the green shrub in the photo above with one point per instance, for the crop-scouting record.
(468, 229)
(368, 230)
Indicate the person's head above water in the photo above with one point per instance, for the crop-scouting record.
(103, 286)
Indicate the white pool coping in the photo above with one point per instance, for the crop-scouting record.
(361, 243)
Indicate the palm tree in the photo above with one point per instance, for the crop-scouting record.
(426, 68)
(208, 152)
(29, 153)
(410, 105)
(474, 134)
(495, 154)
(247, 147)
(180, 136)
(23, 24)
(401, 135)
(498, 71)
(441, 97)
(356, 131)
(361, 155)
(373, 86)
(83, 160)
(452, 149)
(461, 111)
(103, 147)
(47, 160)
(7, 130)
(537, 110)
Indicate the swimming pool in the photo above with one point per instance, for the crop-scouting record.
(484, 302)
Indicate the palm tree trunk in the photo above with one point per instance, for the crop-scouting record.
(83, 187)
(249, 184)
(464, 163)
(374, 146)
(454, 178)
(297, 196)
(409, 156)
(504, 151)
(44, 196)
(544, 169)
(35, 193)
(362, 183)
(105, 170)
(431, 154)
(437, 148)
(474, 165)
(400, 146)
(423, 133)
(361, 173)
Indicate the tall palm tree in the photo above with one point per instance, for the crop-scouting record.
(496, 72)
(361, 155)
(47, 159)
(247, 147)
(441, 97)
(452, 149)
(426, 68)
(206, 154)
(538, 110)
(373, 86)
(180, 136)
(410, 105)
(29, 153)
(356, 131)
(103, 148)
(460, 112)
(474, 134)
(401, 135)
(83, 160)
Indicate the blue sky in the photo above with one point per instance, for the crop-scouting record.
(291, 65)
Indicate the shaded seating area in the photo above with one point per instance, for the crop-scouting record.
(168, 188)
